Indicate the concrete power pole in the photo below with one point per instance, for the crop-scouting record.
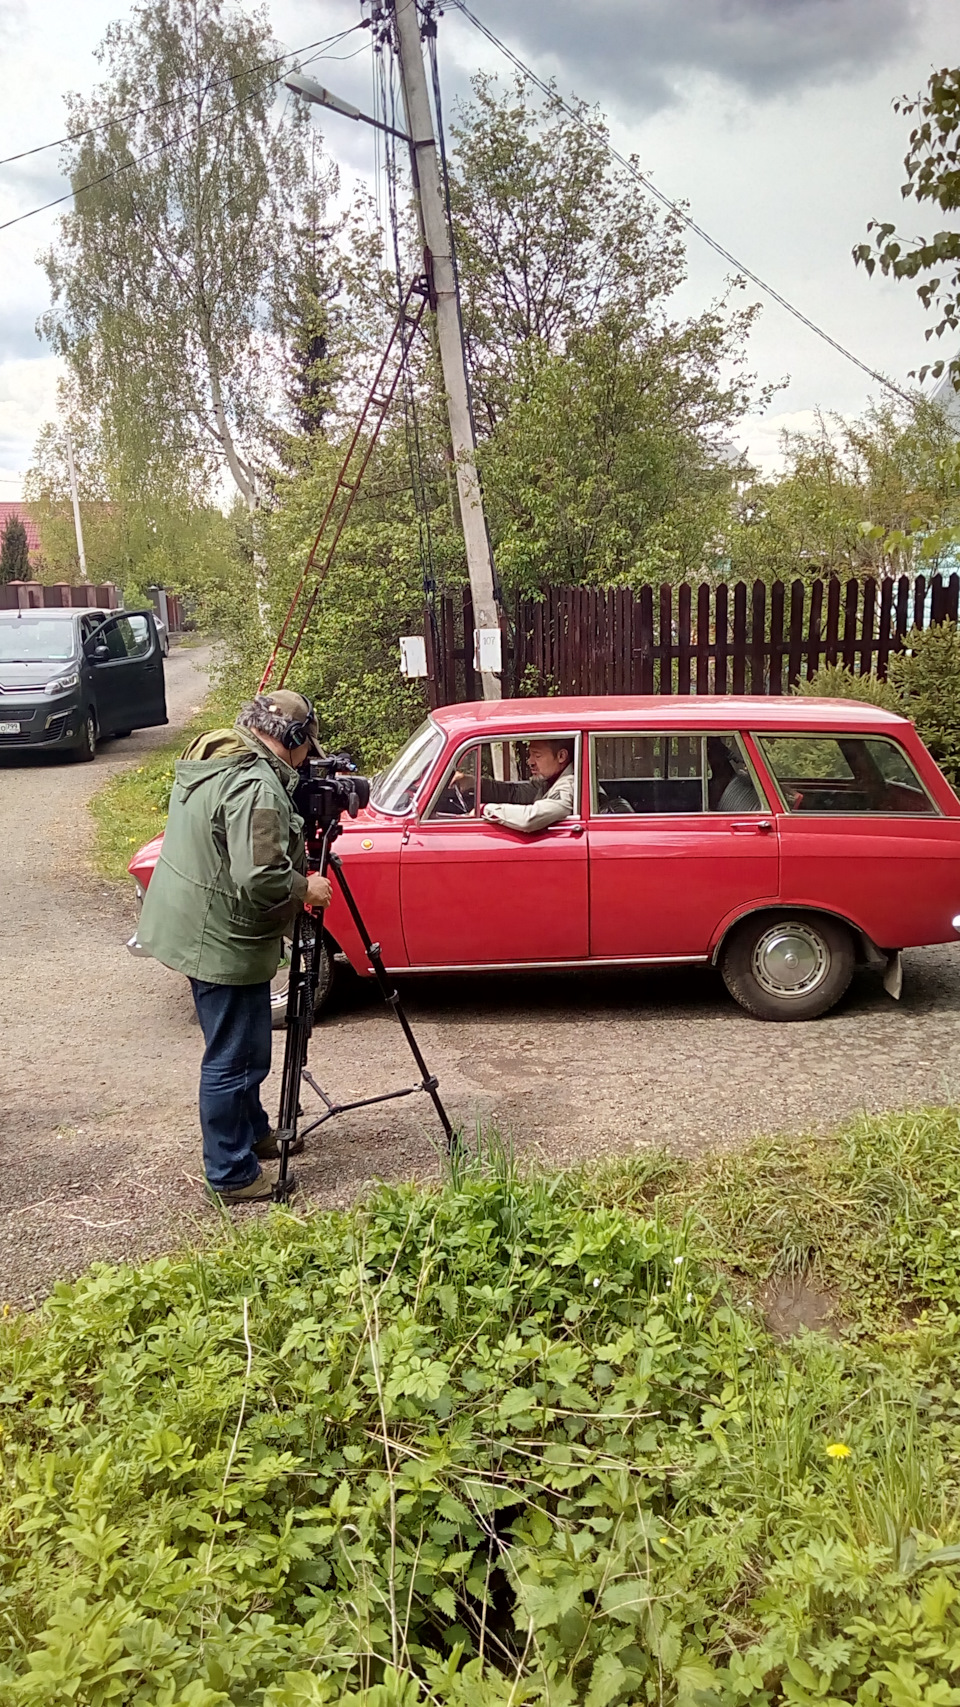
(76, 506)
(438, 238)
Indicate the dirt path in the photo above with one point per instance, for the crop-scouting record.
(98, 1137)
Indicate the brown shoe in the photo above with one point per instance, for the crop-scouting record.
(259, 1190)
(268, 1149)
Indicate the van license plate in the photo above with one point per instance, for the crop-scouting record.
(9, 728)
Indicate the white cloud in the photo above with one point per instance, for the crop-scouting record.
(28, 397)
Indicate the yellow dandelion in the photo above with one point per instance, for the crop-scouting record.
(836, 1449)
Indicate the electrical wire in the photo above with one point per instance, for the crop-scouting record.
(676, 209)
(176, 100)
(150, 153)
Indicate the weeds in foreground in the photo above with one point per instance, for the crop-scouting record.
(506, 1441)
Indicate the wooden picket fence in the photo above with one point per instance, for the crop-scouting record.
(734, 638)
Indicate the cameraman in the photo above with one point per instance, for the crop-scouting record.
(229, 881)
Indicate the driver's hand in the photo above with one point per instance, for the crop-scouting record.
(458, 779)
(319, 890)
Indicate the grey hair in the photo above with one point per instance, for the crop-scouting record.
(259, 715)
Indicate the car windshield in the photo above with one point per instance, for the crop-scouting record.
(396, 788)
(36, 640)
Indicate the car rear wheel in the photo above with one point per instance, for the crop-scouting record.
(279, 986)
(788, 967)
(86, 748)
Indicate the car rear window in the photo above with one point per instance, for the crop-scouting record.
(848, 774)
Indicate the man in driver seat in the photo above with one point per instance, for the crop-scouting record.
(544, 800)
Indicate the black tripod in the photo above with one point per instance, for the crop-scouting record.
(304, 974)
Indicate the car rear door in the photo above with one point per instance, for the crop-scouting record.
(861, 836)
(678, 842)
(126, 670)
(475, 894)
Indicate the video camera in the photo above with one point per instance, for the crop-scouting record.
(324, 793)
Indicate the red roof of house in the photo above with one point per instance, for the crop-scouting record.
(23, 511)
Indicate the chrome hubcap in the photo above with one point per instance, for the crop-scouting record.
(790, 959)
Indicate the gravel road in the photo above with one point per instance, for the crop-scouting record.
(99, 1143)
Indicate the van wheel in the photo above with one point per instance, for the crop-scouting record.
(87, 746)
(789, 967)
(278, 988)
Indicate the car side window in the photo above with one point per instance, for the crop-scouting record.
(137, 635)
(489, 771)
(848, 774)
(645, 774)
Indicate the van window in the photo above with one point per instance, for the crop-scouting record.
(643, 774)
(844, 774)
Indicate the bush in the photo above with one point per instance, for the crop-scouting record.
(927, 680)
(504, 1441)
(835, 681)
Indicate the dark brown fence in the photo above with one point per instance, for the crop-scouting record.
(31, 595)
(758, 639)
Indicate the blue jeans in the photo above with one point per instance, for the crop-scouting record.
(235, 1021)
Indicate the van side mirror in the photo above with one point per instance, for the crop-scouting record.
(99, 653)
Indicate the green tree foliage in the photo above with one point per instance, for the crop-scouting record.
(927, 679)
(136, 539)
(549, 238)
(932, 165)
(610, 464)
(14, 556)
(163, 276)
(876, 496)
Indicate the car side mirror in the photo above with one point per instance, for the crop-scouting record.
(99, 653)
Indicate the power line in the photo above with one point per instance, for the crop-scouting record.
(177, 100)
(149, 154)
(675, 208)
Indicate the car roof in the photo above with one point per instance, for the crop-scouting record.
(680, 711)
(58, 610)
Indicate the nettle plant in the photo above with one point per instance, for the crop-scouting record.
(491, 1443)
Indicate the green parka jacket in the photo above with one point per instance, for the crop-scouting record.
(230, 876)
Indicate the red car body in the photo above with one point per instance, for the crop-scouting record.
(647, 870)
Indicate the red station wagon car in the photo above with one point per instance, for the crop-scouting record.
(783, 840)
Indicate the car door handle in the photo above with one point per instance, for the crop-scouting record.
(568, 829)
(756, 827)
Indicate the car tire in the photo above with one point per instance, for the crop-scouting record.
(278, 987)
(86, 749)
(788, 966)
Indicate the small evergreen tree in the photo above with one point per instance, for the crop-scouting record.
(14, 554)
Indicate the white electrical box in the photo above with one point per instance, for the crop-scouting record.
(487, 654)
(413, 655)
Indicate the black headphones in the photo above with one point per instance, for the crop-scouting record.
(299, 731)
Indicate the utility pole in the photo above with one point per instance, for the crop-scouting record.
(76, 506)
(438, 242)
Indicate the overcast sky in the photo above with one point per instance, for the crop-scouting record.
(772, 118)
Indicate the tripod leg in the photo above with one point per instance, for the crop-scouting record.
(301, 999)
(391, 996)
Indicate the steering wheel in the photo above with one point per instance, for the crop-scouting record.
(454, 802)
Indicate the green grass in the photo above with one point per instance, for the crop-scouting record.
(132, 808)
(510, 1440)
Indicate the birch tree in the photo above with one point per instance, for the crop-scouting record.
(163, 277)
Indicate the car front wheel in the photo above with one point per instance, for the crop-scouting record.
(788, 967)
(280, 984)
(86, 748)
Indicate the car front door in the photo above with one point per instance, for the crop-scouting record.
(475, 894)
(679, 839)
(126, 669)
